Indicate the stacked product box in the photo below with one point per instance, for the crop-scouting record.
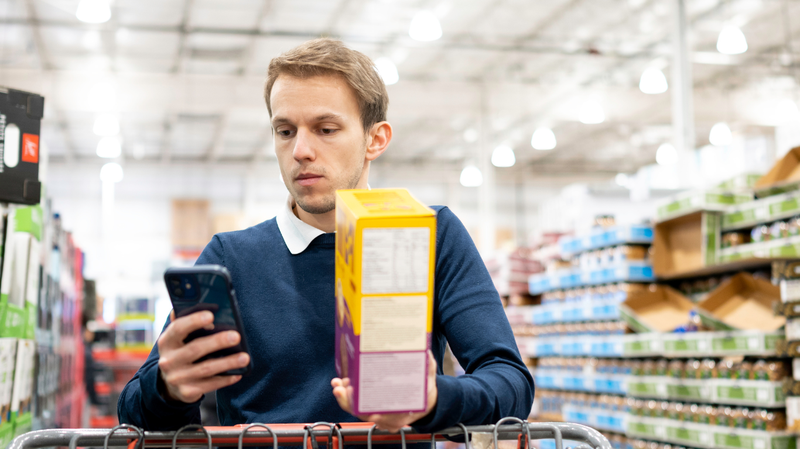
(19, 286)
(787, 274)
(19, 292)
(702, 372)
(134, 324)
(71, 391)
(574, 337)
(8, 358)
(510, 271)
(729, 392)
(22, 394)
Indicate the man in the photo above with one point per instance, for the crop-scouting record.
(328, 110)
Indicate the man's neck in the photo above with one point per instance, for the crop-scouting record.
(324, 222)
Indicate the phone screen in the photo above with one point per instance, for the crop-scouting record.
(195, 292)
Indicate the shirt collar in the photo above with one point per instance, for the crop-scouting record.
(296, 233)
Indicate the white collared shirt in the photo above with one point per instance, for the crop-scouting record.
(296, 233)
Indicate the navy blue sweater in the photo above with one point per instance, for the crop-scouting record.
(287, 305)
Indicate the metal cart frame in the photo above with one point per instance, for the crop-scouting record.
(309, 436)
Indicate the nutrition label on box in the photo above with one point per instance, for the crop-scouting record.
(395, 323)
(392, 381)
(395, 260)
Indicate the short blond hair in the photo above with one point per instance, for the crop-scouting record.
(325, 56)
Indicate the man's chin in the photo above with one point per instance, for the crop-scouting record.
(315, 204)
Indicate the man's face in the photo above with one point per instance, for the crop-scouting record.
(319, 139)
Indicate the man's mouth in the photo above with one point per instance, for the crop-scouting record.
(307, 179)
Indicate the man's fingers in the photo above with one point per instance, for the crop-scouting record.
(201, 347)
(340, 393)
(208, 368)
(178, 330)
(431, 364)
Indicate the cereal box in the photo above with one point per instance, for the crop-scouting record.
(385, 261)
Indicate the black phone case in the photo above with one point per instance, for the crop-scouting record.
(181, 309)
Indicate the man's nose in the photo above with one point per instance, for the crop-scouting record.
(303, 146)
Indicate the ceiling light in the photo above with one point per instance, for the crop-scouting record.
(653, 81)
(543, 139)
(503, 156)
(425, 27)
(106, 125)
(91, 40)
(471, 176)
(666, 154)
(109, 147)
(471, 135)
(720, 134)
(387, 70)
(111, 172)
(622, 180)
(591, 113)
(786, 110)
(731, 41)
(139, 151)
(93, 11)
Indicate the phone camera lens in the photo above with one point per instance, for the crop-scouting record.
(178, 292)
(175, 281)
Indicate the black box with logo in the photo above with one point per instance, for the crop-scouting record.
(20, 121)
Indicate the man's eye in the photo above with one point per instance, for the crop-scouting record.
(285, 133)
(327, 131)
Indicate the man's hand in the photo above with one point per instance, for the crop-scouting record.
(186, 381)
(392, 422)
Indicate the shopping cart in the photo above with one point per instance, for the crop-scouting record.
(309, 436)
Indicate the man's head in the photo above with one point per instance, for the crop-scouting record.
(328, 109)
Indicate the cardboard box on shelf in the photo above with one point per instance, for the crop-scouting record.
(686, 203)
(19, 285)
(8, 353)
(657, 309)
(385, 262)
(6, 434)
(191, 227)
(685, 244)
(742, 182)
(742, 303)
(22, 393)
(784, 176)
(23, 423)
(20, 122)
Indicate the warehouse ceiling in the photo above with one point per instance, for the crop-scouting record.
(185, 76)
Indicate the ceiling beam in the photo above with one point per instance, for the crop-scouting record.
(531, 47)
(218, 142)
(183, 30)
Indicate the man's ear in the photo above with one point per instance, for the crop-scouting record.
(378, 140)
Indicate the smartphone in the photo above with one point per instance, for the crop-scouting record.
(208, 287)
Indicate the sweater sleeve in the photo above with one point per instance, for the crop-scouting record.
(140, 402)
(468, 312)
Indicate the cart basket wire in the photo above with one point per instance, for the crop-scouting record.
(309, 436)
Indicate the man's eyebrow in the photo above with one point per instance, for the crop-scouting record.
(279, 121)
(329, 116)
